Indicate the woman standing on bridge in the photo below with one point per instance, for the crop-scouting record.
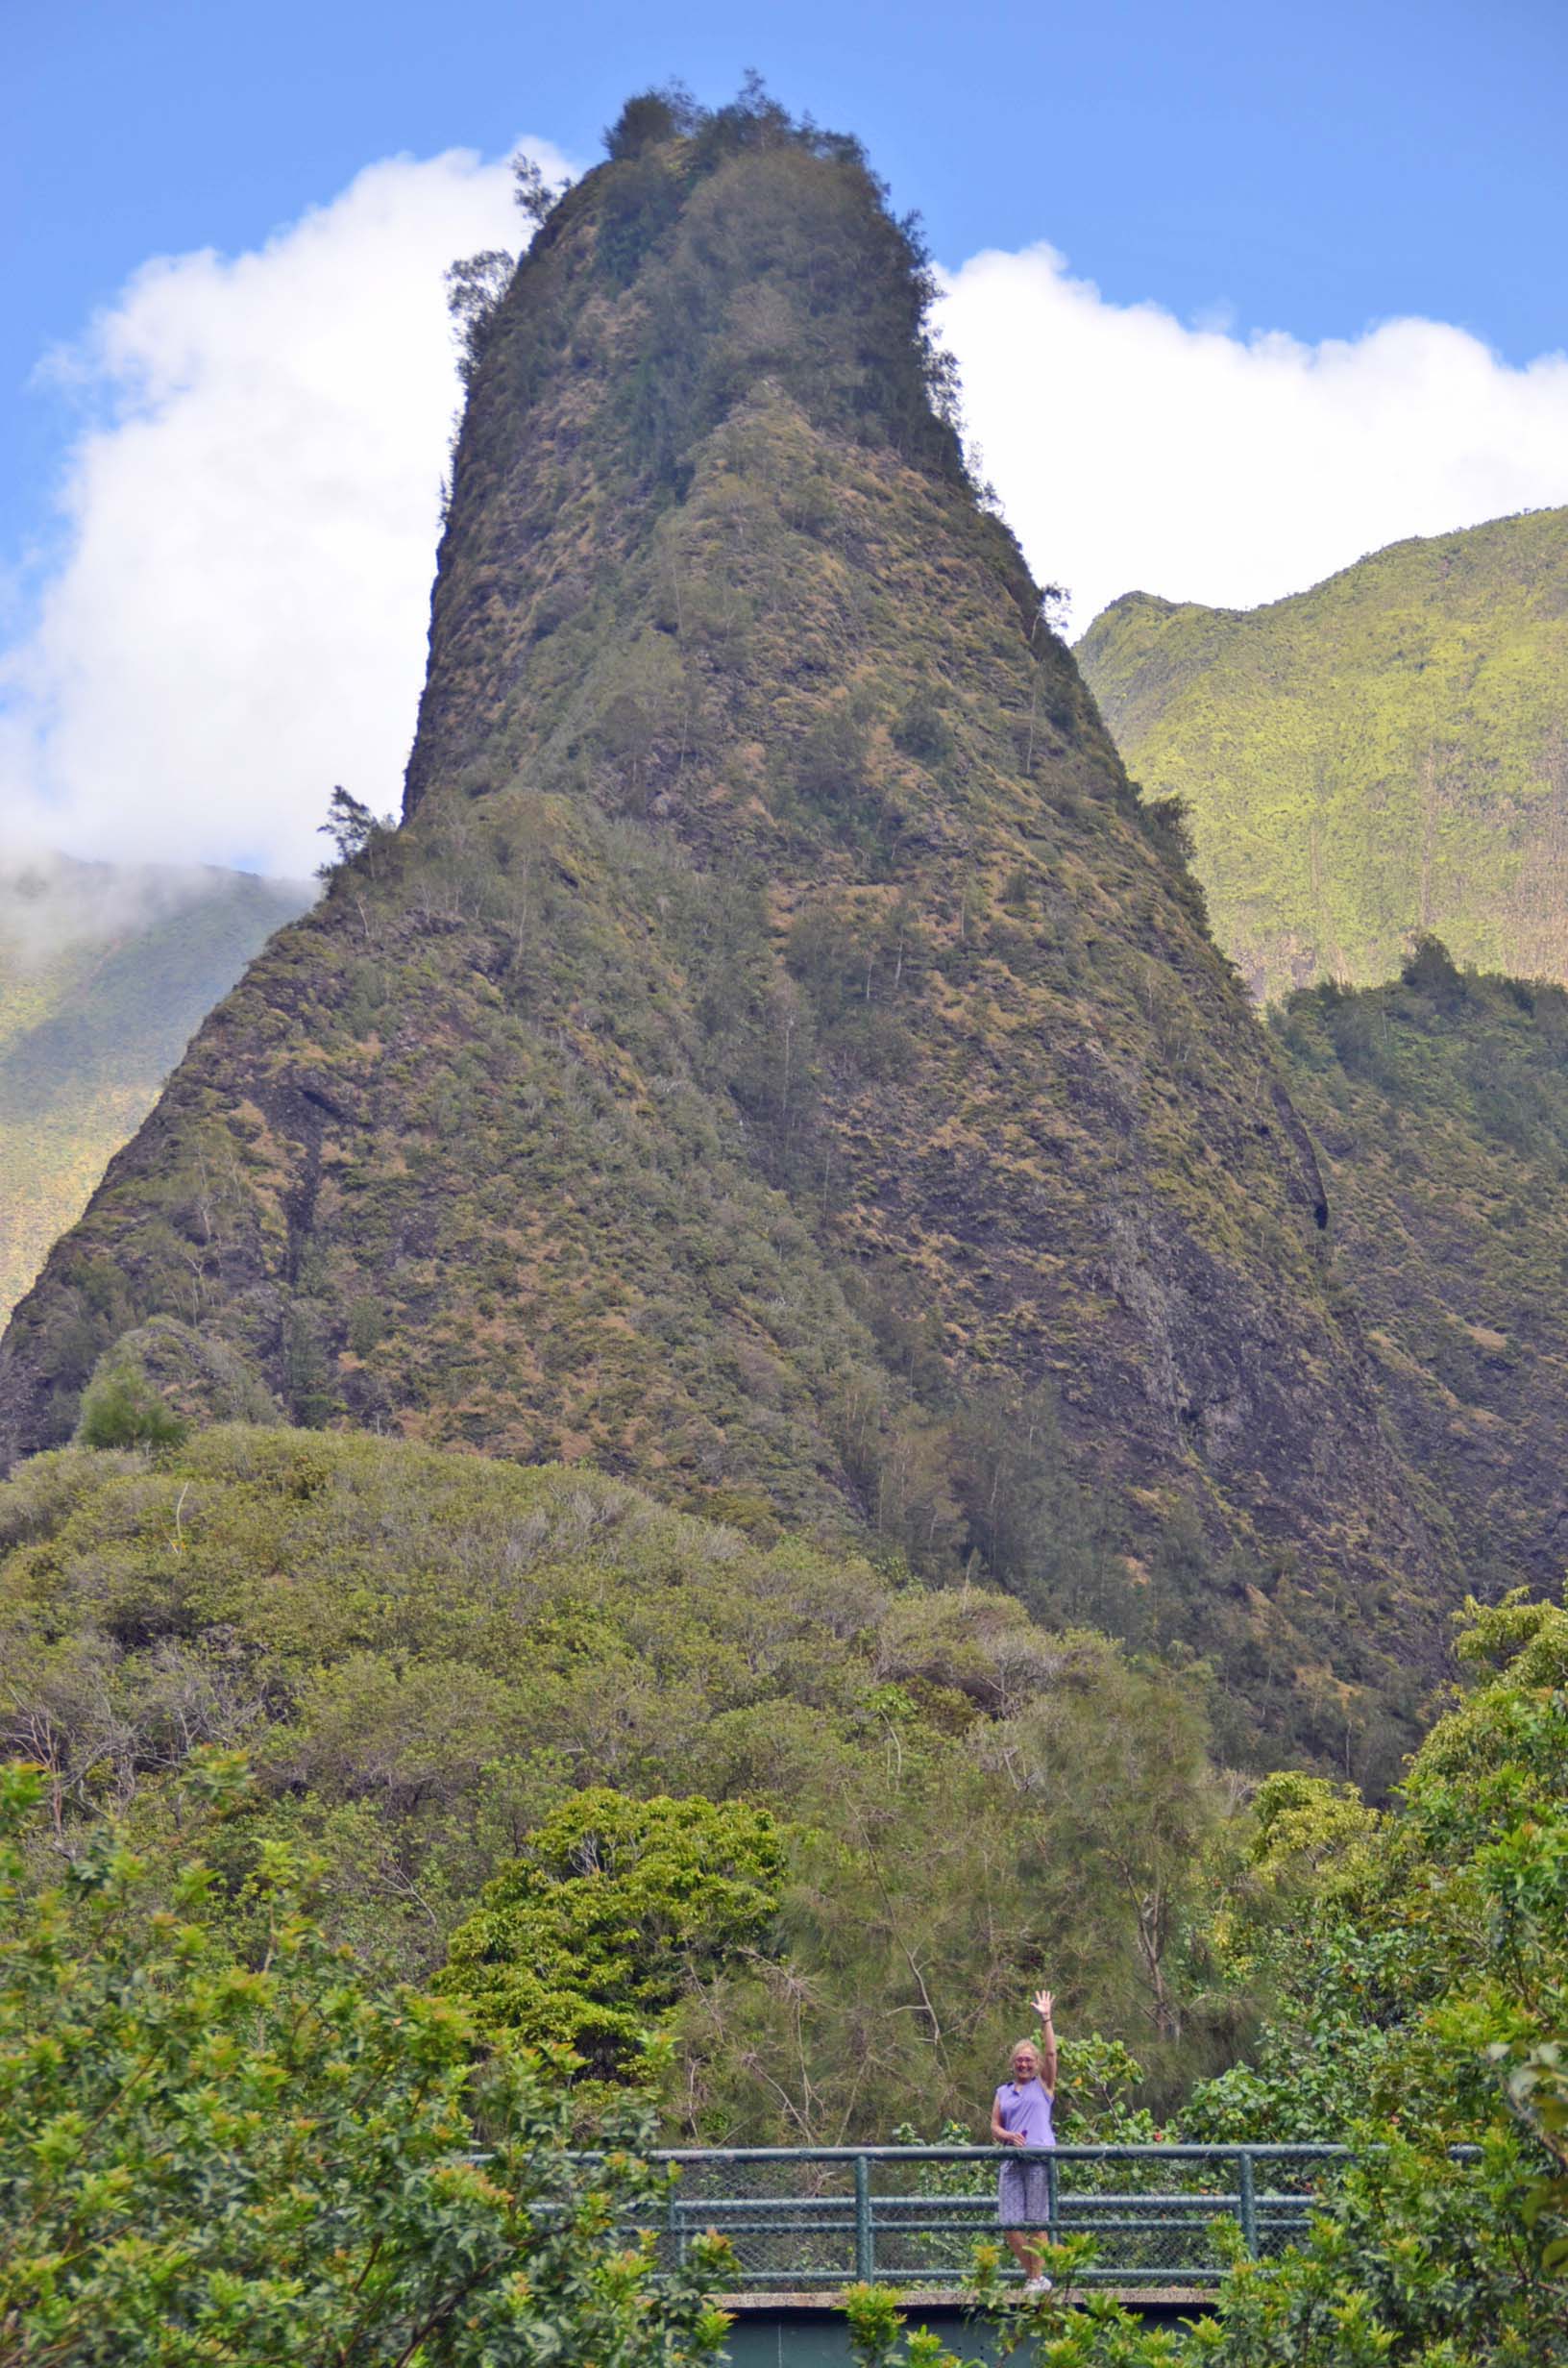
(1022, 2116)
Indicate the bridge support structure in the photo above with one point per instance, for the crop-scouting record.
(795, 2330)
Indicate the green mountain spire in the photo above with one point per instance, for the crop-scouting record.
(777, 1056)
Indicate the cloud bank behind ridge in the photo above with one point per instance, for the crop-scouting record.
(1134, 453)
(235, 615)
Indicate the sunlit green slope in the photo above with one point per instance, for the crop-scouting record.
(425, 1654)
(1383, 754)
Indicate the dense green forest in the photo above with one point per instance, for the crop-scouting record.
(1382, 756)
(735, 1407)
(106, 972)
(1416, 1964)
(427, 1656)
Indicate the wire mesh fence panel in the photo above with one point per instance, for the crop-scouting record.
(790, 2220)
(927, 2215)
(1290, 2184)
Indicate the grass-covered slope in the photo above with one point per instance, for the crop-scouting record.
(425, 1654)
(1385, 754)
(1439, 1106)
(106, 971)
(777, 1057)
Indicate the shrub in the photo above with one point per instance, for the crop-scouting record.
(1166, 823)
(648, 120)
(922, 731)
(121, 1409)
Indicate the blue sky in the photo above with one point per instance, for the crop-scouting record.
(1315, 167)
(1311, 170)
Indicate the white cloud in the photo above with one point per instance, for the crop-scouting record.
(1135, 454)
(239, 617)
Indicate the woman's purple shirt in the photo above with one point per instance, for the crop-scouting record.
(1026, 2108)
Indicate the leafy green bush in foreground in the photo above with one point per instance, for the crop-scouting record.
(203, 2159)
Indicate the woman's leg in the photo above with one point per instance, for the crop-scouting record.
(1023, 2252)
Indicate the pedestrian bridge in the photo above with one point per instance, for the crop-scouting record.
(804, 2223)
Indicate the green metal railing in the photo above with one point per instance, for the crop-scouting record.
(814, 2219)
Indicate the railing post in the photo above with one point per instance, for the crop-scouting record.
(1249, 2202)
(673, 2220)
(1052, 2176)
(865, 2234)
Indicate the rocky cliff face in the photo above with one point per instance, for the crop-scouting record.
(777, 1056)
(1440, 1106)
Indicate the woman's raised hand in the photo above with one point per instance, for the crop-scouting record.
(1044, 2003)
